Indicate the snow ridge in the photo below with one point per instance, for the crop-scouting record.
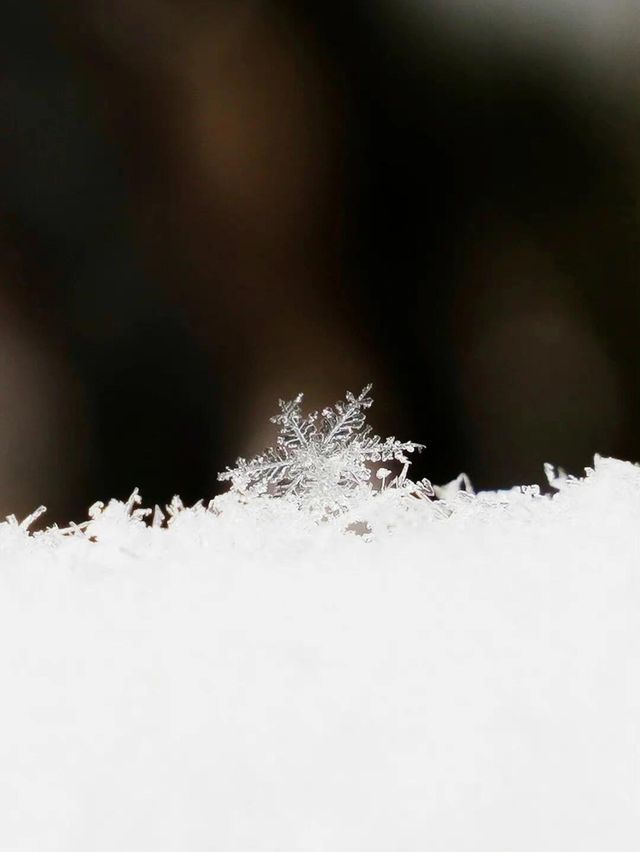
(458, 673)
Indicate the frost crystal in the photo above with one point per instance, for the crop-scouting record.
(322, 461)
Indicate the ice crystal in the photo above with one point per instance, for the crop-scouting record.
(322, 461)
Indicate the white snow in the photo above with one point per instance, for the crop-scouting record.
(464, 677)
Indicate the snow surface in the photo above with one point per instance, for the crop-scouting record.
(464, 676)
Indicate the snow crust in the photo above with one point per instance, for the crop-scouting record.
(463, 676)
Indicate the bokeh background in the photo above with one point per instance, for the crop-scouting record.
(209, 204)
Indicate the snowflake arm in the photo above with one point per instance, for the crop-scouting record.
(295, 431)
(345, 418)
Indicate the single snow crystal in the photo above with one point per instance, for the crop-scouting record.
(324, 459)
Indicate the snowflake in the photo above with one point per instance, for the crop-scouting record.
(323, 460)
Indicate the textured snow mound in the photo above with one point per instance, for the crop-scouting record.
(461, 674)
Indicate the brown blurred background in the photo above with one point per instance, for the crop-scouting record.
(208, 204)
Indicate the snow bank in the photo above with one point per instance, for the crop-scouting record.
(464, 676)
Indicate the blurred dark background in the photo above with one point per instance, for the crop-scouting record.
(209, 204)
